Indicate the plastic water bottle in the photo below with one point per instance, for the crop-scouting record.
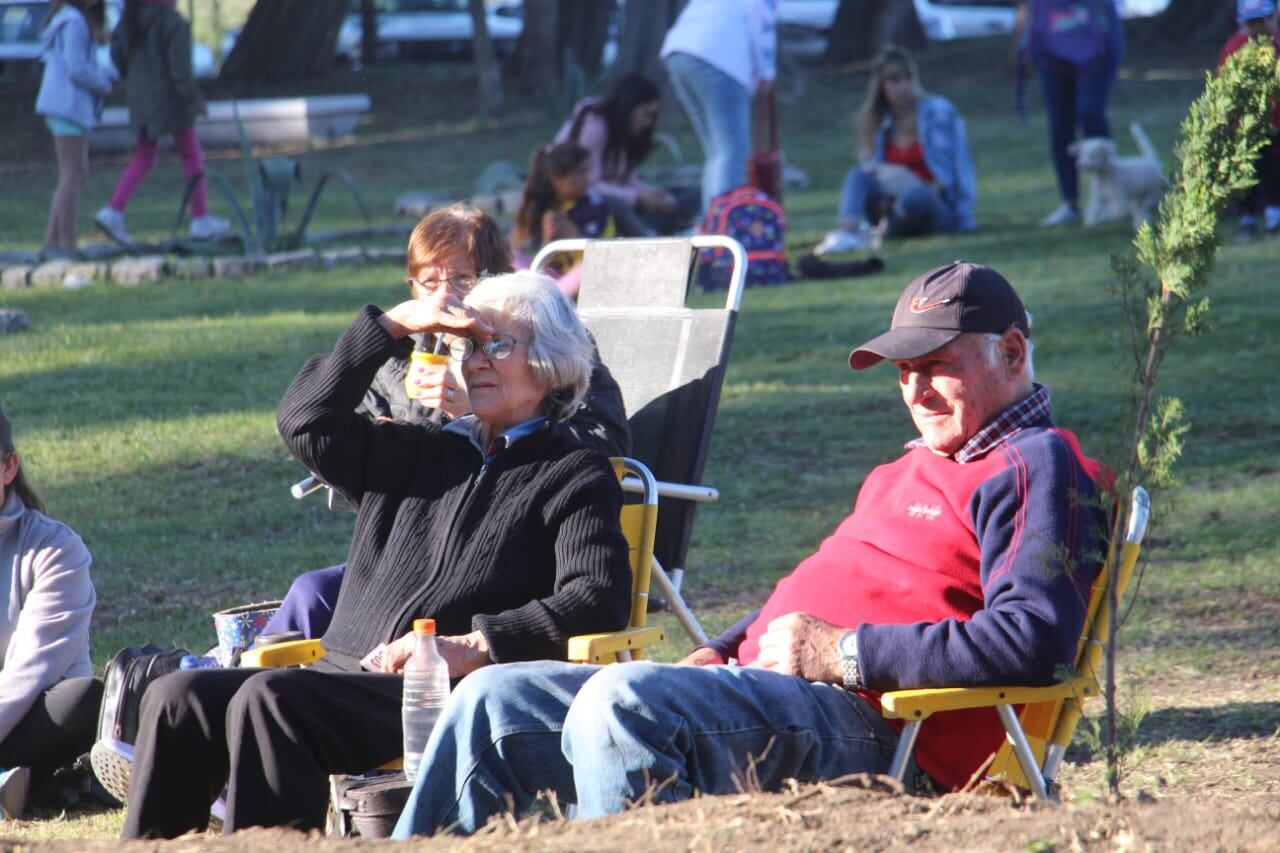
(426, 686)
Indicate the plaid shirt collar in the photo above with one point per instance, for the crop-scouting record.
(1026, 412)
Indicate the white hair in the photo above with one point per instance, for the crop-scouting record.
(991, 350)
(560, 350)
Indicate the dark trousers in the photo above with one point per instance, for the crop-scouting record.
(629, 221)
(58, 728)
(1071, 100)
(271, 736)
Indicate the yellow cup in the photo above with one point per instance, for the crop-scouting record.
(420, 357)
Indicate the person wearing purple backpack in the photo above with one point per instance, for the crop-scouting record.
(1076, 46)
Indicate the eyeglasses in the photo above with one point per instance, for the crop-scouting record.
(461, 283)
(497, 349)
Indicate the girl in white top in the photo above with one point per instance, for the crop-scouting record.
(48, 697)
(719, 54)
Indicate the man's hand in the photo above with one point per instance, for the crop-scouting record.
(441, 311)
(799, 644)
(435, 386)
(701, 657)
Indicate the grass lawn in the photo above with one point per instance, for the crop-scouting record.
(145, 414)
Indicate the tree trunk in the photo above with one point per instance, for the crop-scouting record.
(283, 40)
(583, 31)
(535, 62)
(1193, 21)
(368, 33)
(488, 74)
(862, 28)
(643, 27)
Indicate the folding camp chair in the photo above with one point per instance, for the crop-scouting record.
(669, 361)
(1039, 736)
(639, 523)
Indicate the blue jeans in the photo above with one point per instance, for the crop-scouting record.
(604, 736)
(1074, 99)
(919, 210)
(719, 108)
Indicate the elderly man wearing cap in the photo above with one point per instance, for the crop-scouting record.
(1257, 19)
(966, 561)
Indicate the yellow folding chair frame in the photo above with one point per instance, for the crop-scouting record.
(1038, 738)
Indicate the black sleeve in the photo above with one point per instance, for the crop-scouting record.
(317, 417)
(602, 420)
(726, 645)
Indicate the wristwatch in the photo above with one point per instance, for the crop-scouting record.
(848, 645)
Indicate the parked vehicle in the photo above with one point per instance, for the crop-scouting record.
(804, 24)
(22, 20)
(417, 29)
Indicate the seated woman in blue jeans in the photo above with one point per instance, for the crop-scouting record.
(916, 175)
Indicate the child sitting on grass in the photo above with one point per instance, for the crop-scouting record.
(558, 203)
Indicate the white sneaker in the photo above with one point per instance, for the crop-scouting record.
(842, 241)
(1061, 215)
(112, 763)
(111, 221)
(15, 785)
(204, 227)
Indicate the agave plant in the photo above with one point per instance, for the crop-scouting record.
(271, 180)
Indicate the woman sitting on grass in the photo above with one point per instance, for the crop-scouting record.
(916, 175)
(617, 131)
(500, 525)
(48, 697)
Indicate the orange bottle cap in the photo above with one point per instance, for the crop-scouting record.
(424, 626)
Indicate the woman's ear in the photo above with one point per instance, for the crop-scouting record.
(9, 470)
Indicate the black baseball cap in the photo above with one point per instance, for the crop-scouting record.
(939, 306)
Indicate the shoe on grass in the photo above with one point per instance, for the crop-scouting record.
(1062, 215)
(112, 762)
(1271, 218)
(838, 241)
(111, 221)
(205, 227)
(15, 787)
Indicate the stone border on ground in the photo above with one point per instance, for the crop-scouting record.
(21, 273)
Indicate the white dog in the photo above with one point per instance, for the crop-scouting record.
(1119, 184)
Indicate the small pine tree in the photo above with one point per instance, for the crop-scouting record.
(1221, 139)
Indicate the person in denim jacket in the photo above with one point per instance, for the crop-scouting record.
(916, 176)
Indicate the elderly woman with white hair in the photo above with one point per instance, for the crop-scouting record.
(500, 525)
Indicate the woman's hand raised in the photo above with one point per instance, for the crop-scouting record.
(439, 312)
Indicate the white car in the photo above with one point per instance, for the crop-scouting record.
(21, 22)
(806, 23)
(425, 28)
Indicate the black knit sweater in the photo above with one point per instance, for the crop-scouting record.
(526, 550)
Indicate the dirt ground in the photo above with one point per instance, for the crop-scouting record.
(1203, 775)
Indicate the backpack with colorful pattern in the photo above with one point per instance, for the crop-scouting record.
(757, 222)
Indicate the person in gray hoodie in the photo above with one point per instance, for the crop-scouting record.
(48, 697)
(72, 90)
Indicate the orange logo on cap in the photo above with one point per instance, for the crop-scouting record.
(919, 305)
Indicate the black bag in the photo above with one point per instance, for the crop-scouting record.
(128, 673)
(368, 807)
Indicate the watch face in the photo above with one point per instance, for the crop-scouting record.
(848, 643)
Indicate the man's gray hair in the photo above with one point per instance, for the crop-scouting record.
(991, 350)
(560, 351)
